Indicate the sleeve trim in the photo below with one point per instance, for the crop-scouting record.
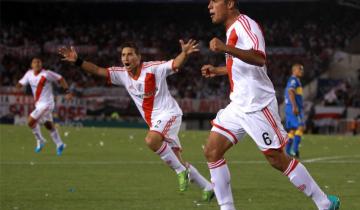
(173, 67)
(108, 79)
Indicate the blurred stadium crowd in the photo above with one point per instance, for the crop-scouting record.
(310, 41)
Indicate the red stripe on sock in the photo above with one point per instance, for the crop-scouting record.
(291, 167)
(162, 149)
(217, 164)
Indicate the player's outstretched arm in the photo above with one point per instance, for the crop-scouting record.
(252, 57)
(70, 55)
(209, 71)
(186, 50)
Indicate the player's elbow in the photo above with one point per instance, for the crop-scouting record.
(260, 61)
(61, 80)
(102, 72)
(175, 66)
(260, 58)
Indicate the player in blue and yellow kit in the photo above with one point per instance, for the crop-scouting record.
(294, 110)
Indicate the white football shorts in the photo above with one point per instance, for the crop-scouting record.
(263, 126)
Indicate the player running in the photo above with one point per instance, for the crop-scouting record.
(147, 86)
(253, 108)
(294, 110)
(40, 81)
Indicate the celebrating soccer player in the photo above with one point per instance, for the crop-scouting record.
(40, 81)
(253, 108)
(294, 110)
(147, 86)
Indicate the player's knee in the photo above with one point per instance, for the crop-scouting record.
(212, 154)
(278, 160)
(149, 141)
(152, 143)
(49, 125)
(276, 164)
(272, 161)
(31, 123)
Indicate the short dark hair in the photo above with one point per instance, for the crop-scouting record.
(236, 3)
(131, 45)
(36, 57)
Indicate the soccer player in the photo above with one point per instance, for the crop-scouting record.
(294, 110)
(40, 81)
(147, 86)
(253, 109)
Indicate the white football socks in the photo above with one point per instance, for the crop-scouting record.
(56, 137)
(301, 178)
(198, 179)
(38, 136)
(169, 157)
(220, 177)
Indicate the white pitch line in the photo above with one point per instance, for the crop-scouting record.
(325, 160)
(320, 159)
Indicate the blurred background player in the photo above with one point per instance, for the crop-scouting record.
(294, 110)
(40, 81)
(147, 86)
(253, 109)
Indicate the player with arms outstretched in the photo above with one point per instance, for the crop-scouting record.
(147, 86)
(294, 110)
(253, 109)
(40, 81)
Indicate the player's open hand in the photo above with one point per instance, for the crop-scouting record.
(216, 45)
(208, 71)
(68, 54)
(190, 47)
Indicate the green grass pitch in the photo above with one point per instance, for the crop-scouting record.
(108, 169)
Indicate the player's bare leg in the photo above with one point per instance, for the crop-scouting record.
(215, 149)
(156, 143)
(40, 140)
(300, 177)
(197, 178)
(55, 137)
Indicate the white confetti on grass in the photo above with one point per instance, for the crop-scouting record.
(350, 181)
(66, 133)
(101, 143)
